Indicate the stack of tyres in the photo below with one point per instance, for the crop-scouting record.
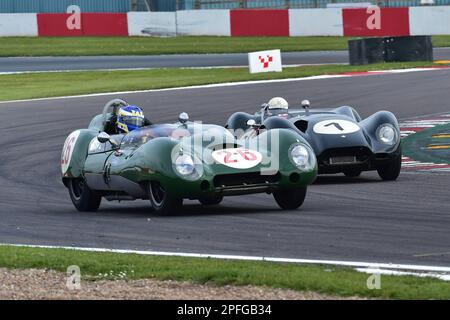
(390, 49)
(366, 51)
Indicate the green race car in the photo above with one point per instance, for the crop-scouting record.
(167, 163)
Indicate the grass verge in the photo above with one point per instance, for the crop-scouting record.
(315, 278)
(89, 46)
(39, 85)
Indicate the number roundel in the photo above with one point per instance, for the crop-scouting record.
(67, 152)
(238, 158)
(335, 126)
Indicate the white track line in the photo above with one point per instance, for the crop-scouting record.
(233, 84)
(445, 277)
(416, 270)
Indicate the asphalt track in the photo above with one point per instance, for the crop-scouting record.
(27, 64)
(361, 219)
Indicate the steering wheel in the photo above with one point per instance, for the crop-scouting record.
(115, 105)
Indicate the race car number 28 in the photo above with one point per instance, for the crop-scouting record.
(238, 158)
(67, 152)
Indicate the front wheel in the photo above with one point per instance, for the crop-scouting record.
(162, 202)
(290, 199)
(83, 198)
(391, 171)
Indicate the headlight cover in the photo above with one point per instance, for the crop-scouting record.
(387, 134)
(303, 157)
(186, 167)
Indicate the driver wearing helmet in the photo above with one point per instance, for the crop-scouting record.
(277, 103)
(129, 118)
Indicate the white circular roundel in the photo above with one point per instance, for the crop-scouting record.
(335, 126)
(67, 152)
(238, 158)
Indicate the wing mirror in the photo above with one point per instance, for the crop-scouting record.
(103, 137)
(252, 123)
(306, 104)
(183, 118)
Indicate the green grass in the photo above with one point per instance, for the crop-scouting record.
(441, 41)
(322, 279)
(38, 85)
(89, 46)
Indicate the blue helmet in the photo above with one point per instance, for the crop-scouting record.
(130, 118)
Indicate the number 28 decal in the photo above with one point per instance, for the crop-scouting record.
(67, 152)
(238, 158)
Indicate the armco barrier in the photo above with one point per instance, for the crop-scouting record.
(18, 25)
(294, 22)
(360, 22)
(259, 22)
(92, 24)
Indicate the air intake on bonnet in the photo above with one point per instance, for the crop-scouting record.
(301, 125)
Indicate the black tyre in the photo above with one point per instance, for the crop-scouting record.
(162, 202)
(352, 173)
(211, 201)
(83, 198)
(290, 199)
(391, 171)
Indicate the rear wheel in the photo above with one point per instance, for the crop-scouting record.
(290, 199)
(83, 198)
(211, 200)
(162, 202)
(391, 171)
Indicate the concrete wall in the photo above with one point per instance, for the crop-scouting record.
(151, 23)
(315, 22)
(429, 21)
(204, 22)
(294, 22)
(18, 24)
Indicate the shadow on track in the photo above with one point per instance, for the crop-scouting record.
(340, 179)
(188, 210)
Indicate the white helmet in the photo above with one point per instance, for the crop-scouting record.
(278, 103)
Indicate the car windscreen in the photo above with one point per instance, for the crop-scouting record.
(140, 136)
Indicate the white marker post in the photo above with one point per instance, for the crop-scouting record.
(265, 61)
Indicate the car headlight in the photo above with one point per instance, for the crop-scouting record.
(185, 165)
(302, 157)
(387, 134)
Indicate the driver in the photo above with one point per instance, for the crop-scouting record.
(129, 118)
(278, 103)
